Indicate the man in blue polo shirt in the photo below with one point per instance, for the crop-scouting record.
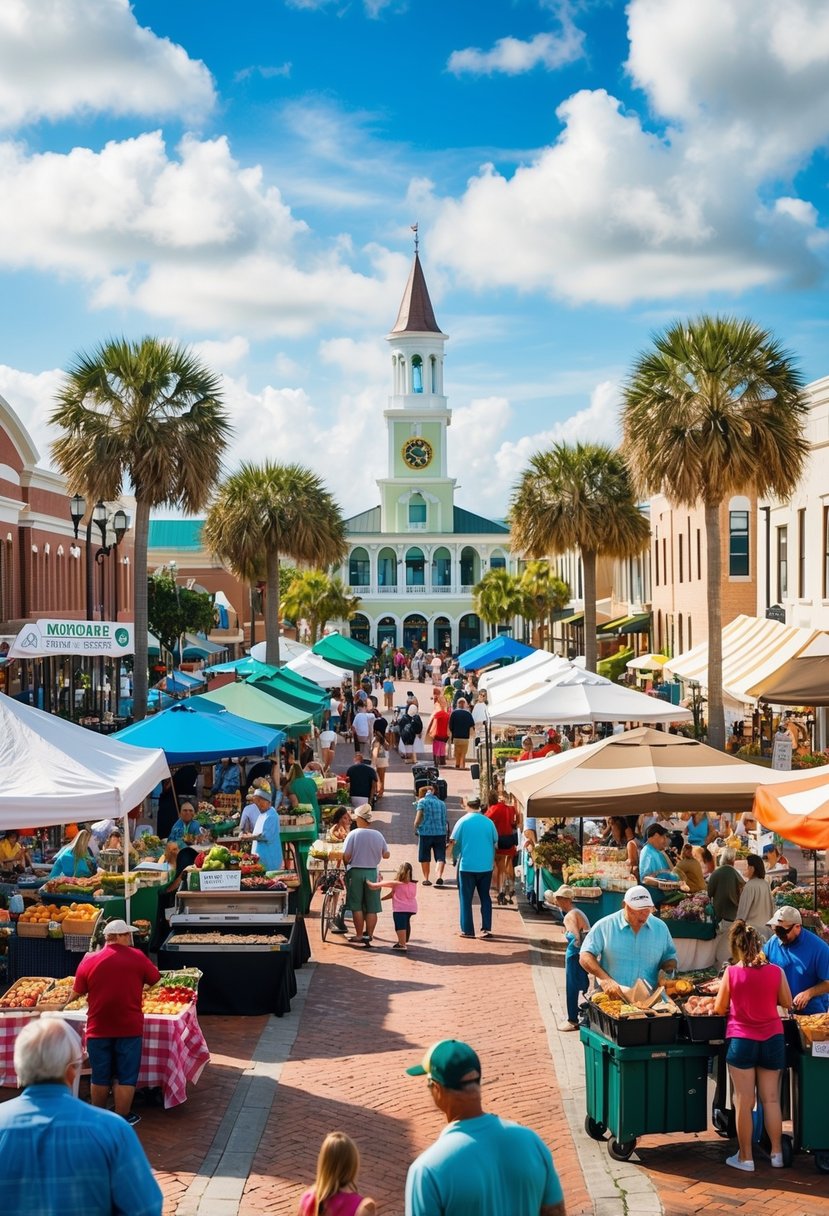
(628, 945)
(474, 839)
(654, 863)
(480, 1164)
(804, 959)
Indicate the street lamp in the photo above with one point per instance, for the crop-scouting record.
(116, 526)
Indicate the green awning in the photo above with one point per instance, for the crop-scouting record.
(258, 706)
(613, 626)
(639, 622)
(576, 619)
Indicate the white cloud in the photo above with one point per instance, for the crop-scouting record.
(266, 72)
(615, 211)
(66, 57)
(221, 356)
(32, 399)
(373, 8)
(197, 240)
(514, 56)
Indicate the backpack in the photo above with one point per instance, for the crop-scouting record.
(417, 724)
(408, 734)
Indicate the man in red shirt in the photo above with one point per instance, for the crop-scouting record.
(113, 980)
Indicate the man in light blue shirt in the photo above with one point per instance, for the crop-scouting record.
(58, 1154)
(628, 945)
(480, 1165)
(226, 777)
(475, 838)
(654, 863)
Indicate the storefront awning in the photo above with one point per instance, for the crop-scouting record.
(753, 648)
(639, 622)
(577, 619)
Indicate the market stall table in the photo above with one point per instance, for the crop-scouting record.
(174, 1051)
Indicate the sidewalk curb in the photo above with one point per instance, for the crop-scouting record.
(617, 1188)
(218, 1187)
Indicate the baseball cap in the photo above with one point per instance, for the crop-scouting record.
(118, 926)
(637, 897)
(362, 812)
(786, 916)
(450, 1062)
(565, 892)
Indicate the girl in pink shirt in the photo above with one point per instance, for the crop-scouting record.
(750, 993)
(403, 895)
(334, 1192)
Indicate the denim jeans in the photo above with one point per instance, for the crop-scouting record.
(576, 981)
(470, 881)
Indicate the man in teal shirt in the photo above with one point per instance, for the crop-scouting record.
(628, 945)
(480, 1165)
(475, 838)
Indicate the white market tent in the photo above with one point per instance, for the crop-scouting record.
(523, 669)
(752, 649)
(52, 771)
(575, 696)
(317, 669)
(288, 649)
(647, 662)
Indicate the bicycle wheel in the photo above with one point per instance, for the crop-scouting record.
(330, 907)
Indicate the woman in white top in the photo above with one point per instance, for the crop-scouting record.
(756, 906)
(328, 744)
(479, 711)
(380, 758)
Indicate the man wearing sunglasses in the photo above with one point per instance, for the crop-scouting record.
(804, 958)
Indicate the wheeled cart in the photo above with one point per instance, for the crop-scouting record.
(637, 1091)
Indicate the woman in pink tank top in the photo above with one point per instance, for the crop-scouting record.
(334, 1192)
(751, 991)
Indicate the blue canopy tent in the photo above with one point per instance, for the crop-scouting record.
(185, 732)
(500, 650)
(181, 683)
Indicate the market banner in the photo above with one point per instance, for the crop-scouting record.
(42, 638)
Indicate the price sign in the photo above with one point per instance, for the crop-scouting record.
(220, 880)
(821, 1049)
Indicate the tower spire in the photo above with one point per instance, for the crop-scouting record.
(416, 238)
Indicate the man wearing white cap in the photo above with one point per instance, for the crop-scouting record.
(113, 980)
(628, 945)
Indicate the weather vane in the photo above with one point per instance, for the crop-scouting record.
(414, 230)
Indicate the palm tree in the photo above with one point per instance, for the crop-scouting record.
(498, 597)
(148, 415)
(544, 595)
(265, 511)
(320, 598)
(578, 497)
(715, 408)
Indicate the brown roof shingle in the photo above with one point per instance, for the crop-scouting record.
(416, 314)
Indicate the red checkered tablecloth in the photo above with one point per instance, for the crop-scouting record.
(174, 1051)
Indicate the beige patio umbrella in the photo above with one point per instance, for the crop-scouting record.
(641, 770)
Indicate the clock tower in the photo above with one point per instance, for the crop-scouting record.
(417, 495)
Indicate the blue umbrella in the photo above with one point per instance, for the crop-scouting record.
(185, 733)
(498, 650)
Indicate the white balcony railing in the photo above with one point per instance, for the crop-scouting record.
(363, 592)
(366, 590)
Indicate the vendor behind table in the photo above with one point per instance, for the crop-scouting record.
(629, 945)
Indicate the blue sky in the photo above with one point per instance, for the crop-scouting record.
(243, 178)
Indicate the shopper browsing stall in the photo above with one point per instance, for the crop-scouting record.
(804, 959)
(75, 860)
(756, 904)
(266, 844)
(654, 863)
(628, 945)
(725, 887)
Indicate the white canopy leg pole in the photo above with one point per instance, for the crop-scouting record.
(126, 838)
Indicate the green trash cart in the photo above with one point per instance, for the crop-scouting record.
(636, 1091)
(810, 1082)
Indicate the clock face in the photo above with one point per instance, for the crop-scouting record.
(417, 452)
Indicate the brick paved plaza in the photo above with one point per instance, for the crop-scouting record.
(246, 1140)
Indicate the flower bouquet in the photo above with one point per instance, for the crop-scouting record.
(692, 908)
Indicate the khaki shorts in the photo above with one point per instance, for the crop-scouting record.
(359, 897)
(459, 749)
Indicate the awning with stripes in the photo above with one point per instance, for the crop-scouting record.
(637, 622)
(753, 648)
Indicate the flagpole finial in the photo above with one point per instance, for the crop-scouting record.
(416, 238)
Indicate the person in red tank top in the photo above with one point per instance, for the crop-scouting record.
(506, 819)
(750, 993)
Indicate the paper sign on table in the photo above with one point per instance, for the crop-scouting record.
(220, 880)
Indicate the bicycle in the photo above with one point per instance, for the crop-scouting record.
(332, 884)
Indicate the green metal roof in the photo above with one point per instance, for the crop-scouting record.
(366, 521)
(175, 534)
(468, 521)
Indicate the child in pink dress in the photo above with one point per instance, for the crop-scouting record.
(403, 894)
(334, 1192)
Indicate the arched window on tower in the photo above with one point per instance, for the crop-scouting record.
(417, 511)
(417, 374)
(433, 367)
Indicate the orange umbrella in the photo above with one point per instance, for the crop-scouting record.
(798, 811)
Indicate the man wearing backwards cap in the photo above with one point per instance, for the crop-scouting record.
(628, 945)
(480, 1165)
(804, 959)
(114, 979)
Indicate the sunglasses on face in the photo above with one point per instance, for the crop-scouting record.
(783, 930)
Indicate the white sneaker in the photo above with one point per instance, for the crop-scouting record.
(737, 1163)
(777, 1160)
(567, 1026)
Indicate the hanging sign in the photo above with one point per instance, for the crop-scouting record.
(42, 638)
(781, 751)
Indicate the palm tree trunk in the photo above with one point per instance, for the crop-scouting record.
(141, 613)
(716, 713)
(588, 561)
(272, 609)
